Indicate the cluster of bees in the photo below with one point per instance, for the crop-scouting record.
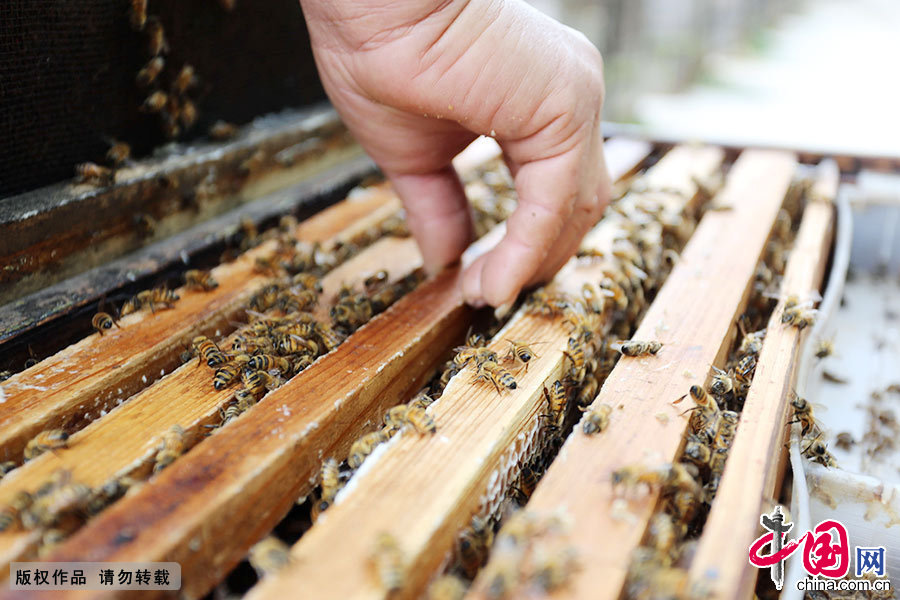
(491, 195)
(659, 568)
(529, 553)
(158, 298)
(173, 103)
(174, 106)
(59, 505)
(646, 236)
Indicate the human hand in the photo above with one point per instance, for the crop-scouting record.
(417, 80)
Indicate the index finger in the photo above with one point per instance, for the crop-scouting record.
(547, 189)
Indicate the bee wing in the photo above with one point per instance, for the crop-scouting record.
(257, 316)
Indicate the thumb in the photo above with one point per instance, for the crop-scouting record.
(437, 213)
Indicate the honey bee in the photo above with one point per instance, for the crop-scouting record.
(592, 300)
(496, 375)
(844, 441)
(728, 422)
(422, 400)
(466, 354)
(557, 399)
(597, 420)
(243, 400)
(638, 348)
(447, 587)
(155, 102)
(307, 281)
(751, 343)
(257, 382)
(799, 317)
(683, 505)
(50, 539)
(266, 362)
(295, 344)
(50, 439)
(527, 482)
(798, 314)
(329, 477)
(158, 297)
(185, 80)
(818, 452)
(118, 154)
(188, 114)
(706, 417)
(7, 466)
(387, 559)
(363, 447)
(169, 119)
(94, 174)
(576, 355)
(375, 281)
(824, 349)
(138, 14)
(329, 336)
(722, 382)
(170, 448)
(221, 130)
(551, 570)
(587, 393)
(697, 451)
(64, 498)
(803, 414)
(156, 37)
(269, 556)
(103, 321)
(150, 71)
(548, 304)
(501, 575)
(226, 374)
(207, 350)
(743, 372)
(474, 544)
(12, 512)
(673, 477)
(420, 420)
(195, 279)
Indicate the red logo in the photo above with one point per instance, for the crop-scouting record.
(826, 549)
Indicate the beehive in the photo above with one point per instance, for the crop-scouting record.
(675, 260)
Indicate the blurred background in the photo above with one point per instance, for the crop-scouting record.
(818, 74)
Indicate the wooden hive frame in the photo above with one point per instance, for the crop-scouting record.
(212, 504)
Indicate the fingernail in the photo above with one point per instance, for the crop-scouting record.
(502, 310)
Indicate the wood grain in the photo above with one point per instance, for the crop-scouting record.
(692, 316)
(70, 389)
(422, 490)
(125, 441)
(720, 565)
(211, 505)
